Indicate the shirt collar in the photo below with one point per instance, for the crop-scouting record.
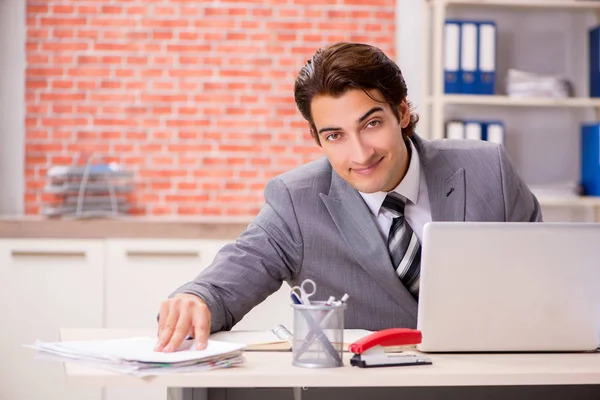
(408, 186)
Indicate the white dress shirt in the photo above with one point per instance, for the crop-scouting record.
(413, 186)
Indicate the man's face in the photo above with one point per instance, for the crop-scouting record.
(362, 139)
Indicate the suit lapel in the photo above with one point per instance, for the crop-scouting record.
(359, 230)
(445, 185)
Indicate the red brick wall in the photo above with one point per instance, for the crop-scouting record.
(195, 96)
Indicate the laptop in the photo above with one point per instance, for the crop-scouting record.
(509, 287)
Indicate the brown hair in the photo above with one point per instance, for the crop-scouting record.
(343, 66)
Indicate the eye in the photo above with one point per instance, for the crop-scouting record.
(374, 123)
(332, 137)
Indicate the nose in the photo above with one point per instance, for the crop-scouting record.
(362, 152)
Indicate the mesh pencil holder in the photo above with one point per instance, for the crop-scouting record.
(318, 335)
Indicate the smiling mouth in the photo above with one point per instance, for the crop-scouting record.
(369, 169)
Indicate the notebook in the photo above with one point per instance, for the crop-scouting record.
(267, 341)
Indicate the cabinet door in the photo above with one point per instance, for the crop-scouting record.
(140, 274)
(46, 285)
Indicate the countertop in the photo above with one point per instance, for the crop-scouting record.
(123, 227)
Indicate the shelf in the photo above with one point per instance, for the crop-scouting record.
(583, 201)
(545, 4)
(518, 102)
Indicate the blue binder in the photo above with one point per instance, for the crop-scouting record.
(452, 74)
(590, 159)
(486, 65)
(594, 49)
(468, 57)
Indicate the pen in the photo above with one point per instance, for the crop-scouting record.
(295, 298)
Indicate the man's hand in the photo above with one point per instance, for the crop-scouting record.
(183, 315)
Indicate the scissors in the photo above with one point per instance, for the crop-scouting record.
(301, 295)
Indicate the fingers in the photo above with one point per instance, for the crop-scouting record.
(168, 324)
(181, 316)
(202, 328)
(162, 322)
(182, 327)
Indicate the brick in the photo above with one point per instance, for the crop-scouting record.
(52, 97)
(116, 47)
(112, 10)
(44, 72)
(38, 33)
(114, 22)
(71, 47)
(87, 85)
(62, 109)
(165, 23)
(36, 84)
(87, 34)
(37, 9)
(53, 22)
(90, 72)
(63, 9)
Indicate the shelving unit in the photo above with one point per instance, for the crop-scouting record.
(553, 4)
(501, 100)
(433, 111)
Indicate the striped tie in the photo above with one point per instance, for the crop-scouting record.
(404, 246)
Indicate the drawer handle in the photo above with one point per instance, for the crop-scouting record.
(158, 253)
(46, 253)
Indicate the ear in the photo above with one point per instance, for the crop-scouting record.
(404, 110)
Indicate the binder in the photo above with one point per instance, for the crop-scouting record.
(455, 130)
(590, 159)
(473, 130)
(452, 78)
(494, 132)
(594, 52)
(486, 66)
(468, 57)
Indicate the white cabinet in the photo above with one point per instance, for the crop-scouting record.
(51, 284)
(46, 285)
(141, 273)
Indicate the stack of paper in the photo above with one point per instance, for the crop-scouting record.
(522, 84)
(137, 356)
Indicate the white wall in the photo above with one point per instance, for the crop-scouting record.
(409, 28)
(12, 106)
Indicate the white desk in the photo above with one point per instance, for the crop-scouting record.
(273, 369)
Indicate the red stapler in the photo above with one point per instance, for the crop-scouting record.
(370, 351)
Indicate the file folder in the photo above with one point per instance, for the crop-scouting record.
(455, 130)
(486, 71)
(452, 77)
(473, 130)
(468, 57)
(494, 132)
(590, 159)
(594, 52)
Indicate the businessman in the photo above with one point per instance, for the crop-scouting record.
(351, 221)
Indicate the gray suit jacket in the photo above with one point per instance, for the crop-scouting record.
(314, 225)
